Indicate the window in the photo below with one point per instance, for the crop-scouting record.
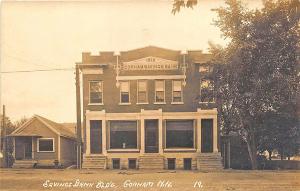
(177, 91)
(180, 134)
(124, 92)
(205, 69)
(206, 91)
(160, 91)
(96, 92)
(123, 134)
(187, 164)
(142, 92)
(116, 163)
(132, 163)
(45, 144)
(171, 163)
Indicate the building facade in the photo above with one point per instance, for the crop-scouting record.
(149, 108)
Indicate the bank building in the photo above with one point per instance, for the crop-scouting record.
(149, 108)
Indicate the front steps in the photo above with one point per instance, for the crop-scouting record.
(209, 161)
(94, 162)
(151, 161)
(24, 164)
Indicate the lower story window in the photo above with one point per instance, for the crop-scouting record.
(132, 163)
(45, 145)
(180, 134)
(171, 163)
(116, 163)
(123, 134)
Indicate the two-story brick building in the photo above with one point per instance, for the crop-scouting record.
(149, 108)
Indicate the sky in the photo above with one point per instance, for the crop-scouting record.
(38, 35)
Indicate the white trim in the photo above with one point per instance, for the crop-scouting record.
(137, 90)
(180, 149)
(123, 150)
(38, 144)
(177, 103)
(120, 100)
(142, 103)
(92, 70)
(159, 103)
(164, 102)
(152, 77)
(101, 92)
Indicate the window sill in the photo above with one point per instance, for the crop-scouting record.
(123, 150)
(124, 103)
(206, 102)
(95, 104)
(177, 103)
(142, 103)
(181, 150)
(45, 151)
(159, 103)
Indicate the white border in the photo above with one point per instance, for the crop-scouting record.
(38, 144)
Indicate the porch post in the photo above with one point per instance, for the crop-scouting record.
(88, 136)
(215, 134)
(160, 135)
(142, 138)
(198, 137)
(14, 142)
(104, 151)
(32, 148)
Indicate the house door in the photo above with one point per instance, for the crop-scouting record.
(28, 148)
(151, 136)
(206, 135)
(96, 136)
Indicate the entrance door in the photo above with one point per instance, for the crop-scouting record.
(206, 135)
(96, 136)
(151, 136)
(28, 148)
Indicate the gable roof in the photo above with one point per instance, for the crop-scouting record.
(57, 128)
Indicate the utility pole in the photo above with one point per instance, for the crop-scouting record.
(78, 112)
(4, 138)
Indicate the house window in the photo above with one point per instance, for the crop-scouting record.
(96, 92)
(159, 91)
(142, 92)
(187, 164)
(177, 91)
(124, 92)
(171, 163)
(132, 163)
(206, 91)
(45, 145)
(180, 134)
(116, 163)
(123, 134)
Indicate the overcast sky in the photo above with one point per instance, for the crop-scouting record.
(50, 35)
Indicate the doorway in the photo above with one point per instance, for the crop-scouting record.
(207, 135)
(151, 136)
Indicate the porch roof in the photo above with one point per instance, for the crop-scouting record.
(23, 135)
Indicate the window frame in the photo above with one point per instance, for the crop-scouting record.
(181, 101)
(213, 91)
(38, 145)
(137, 100)
(102, 103)
(120, 100)
(121, 149)
(164, 87)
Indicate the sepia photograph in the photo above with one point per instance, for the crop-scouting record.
(184, 95)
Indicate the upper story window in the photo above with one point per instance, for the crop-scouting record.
(206, 91)
(205, 68)
(124, 92)
(142, 91)
(96, 92)
(159, 91)
(177, 91)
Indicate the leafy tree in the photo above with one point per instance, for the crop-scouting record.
(256, 78)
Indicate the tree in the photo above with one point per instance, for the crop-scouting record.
(256, 73)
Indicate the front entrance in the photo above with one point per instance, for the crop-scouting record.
(206, 135)
(96, 136)
(151, 136)
(28, 148)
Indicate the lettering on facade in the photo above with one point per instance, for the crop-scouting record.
(150, 63)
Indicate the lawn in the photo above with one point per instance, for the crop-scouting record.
(57, 179)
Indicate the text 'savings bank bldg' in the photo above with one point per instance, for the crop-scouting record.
(149, 108)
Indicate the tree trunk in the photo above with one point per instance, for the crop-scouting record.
(252, 151)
